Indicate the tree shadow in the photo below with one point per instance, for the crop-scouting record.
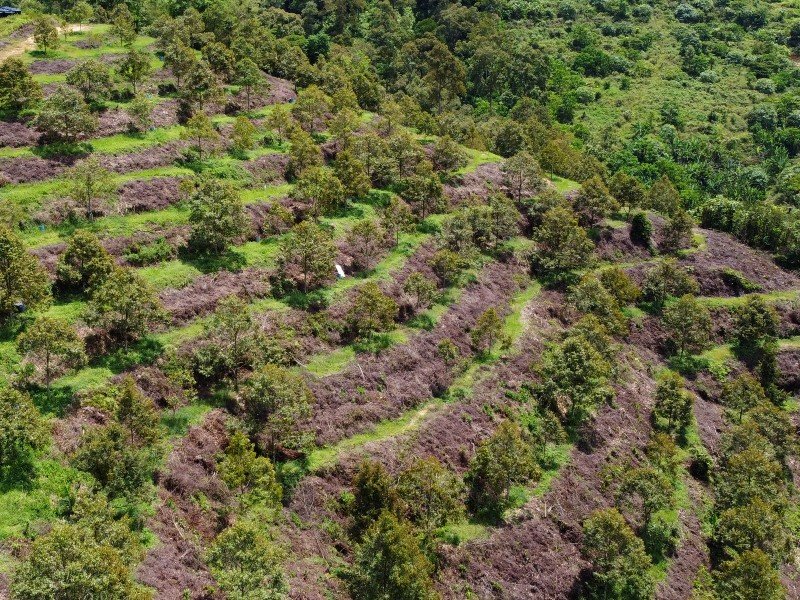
(17, 476)
(143, 352)
(229, 260)
(54, 402)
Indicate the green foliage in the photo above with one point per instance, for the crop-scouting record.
(741, 394)
(522, 174)
(251, 476)
(374, 494)
(621, 566)
(594, 202)
(24, 281)
(371, 311)
(89, 554)
(321, 190)
(65, 117)
(673, 403)
(641, 230)
(85, 264)
(430, 494)
(276, 402)
(135, 67)
(243, 137)
(755, 328)
(90, 184)
(201, 133)
(749, 575)
(45, 32)
(421, 289)
(247, 563)
(93, 80)
(123, 306)
(562, 245)
(307, 253)
(390, 564)
(23, 432)
(18, 90)
(488, 328)
(688, 323)
(506, 458)
(667, 279)
(216, 214)
(619, 284)
(53, 343)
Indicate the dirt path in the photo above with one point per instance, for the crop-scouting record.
(26, 44)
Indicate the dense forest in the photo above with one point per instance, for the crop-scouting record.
(399, 300)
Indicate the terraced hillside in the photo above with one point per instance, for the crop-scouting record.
(269, 331)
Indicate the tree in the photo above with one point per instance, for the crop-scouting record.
(18, 90)
(216, 214)
(590, 296)
(134, 67)
(303, 153)
(641, 230)
(90, 184)
(123, 26)
(620, 285)
(663, 197)
(234, 336)
(667, 279)
(319, 188)
(621, 565)
(627, 190)
(220, 58)
(488, 328)
(677, 232)
(119, 468)
(351, 172)
(742, 394)
(689, 325)
(575, 376)
(423, 190)
(140, 112)
(445, 75)
(23, 432)
(279, 120)
(93, 80)
(371, 311)
(137, 414)
(647, 489)
(243, 136)
(45, 32)
(201, 132)
(756, 526)
(749, 475)
(85, 263)
(365, 240)
(673, 403)
(179, 58)
(523, 175)
(124, 306)
(246, 473)
(200, 85)
(594, 202)
(310, 108)
(390, 564)
(249, 77)
(506, 458)
(54, 342)
(755, 328)
(431, 494)
(448, 155)
(24, 285)
(310, 250)
(749, 575)
(247, 563)
(64, 116)
(81, 13)
(561, 244)
(374, 493)
(93, 557)
(396, 218)
(276, 401)
(421, 288)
